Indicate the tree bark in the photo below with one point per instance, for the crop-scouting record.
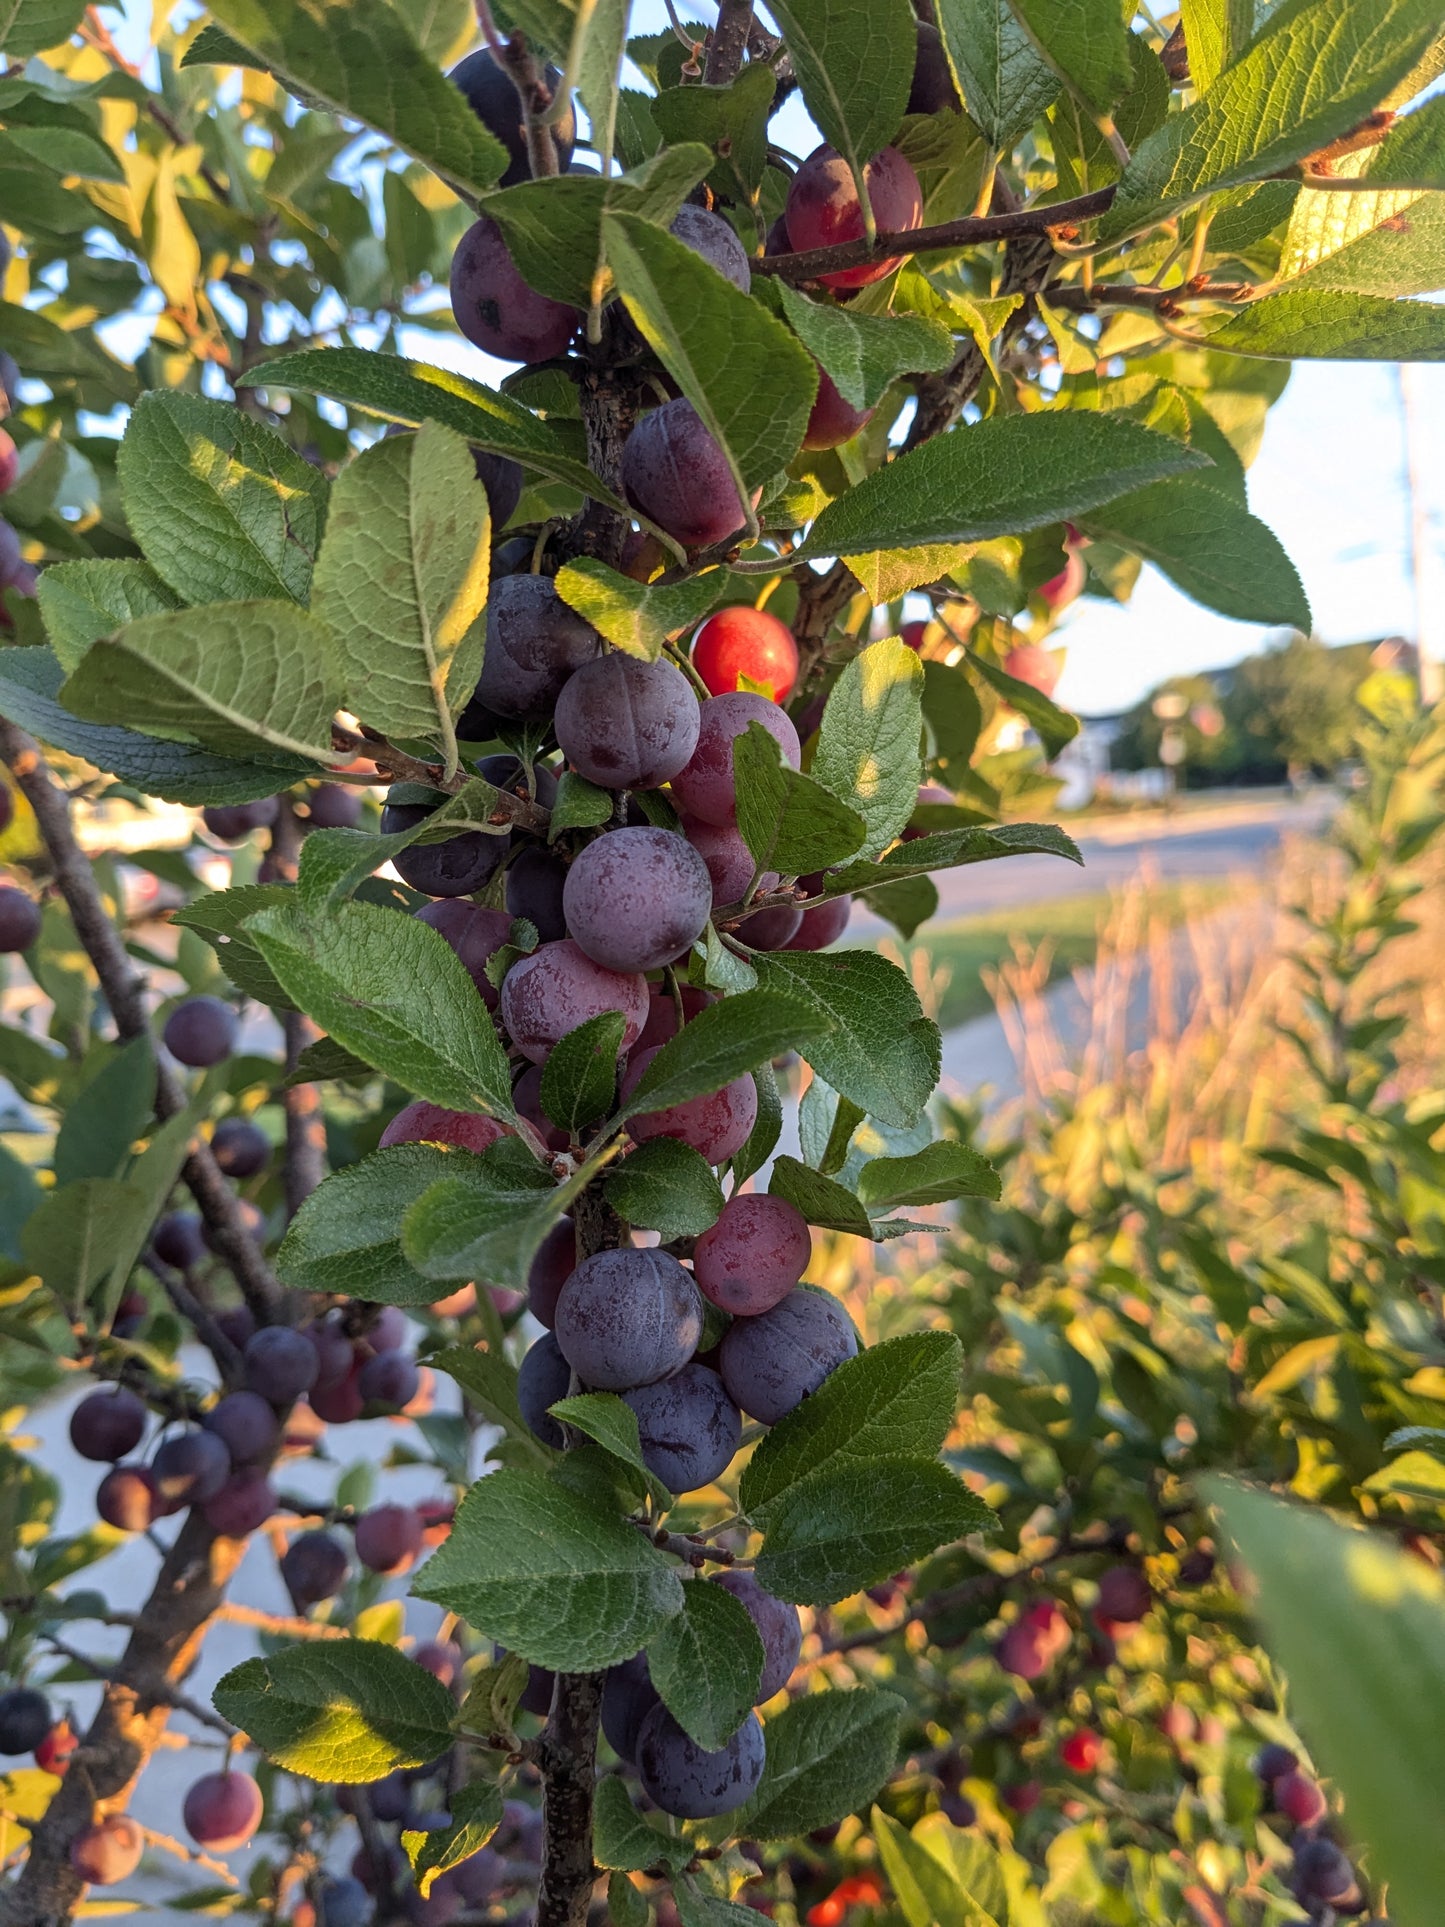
(729, 41)
(569, 1773)
(123, 990)
(134, 1709)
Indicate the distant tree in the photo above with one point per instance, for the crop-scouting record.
(1293, 706)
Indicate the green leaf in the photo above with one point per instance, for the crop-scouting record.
(865, 353)
(347, 1234)
(949, 849)
(104, 1120)
(579, 1079)
(1209, 546)
(1317, 324)
(1332, 237)
(727, 1040)
(633, 616)
(476, 1812)
(791, 823)
(732, 121)
(83, 601)
(1412, 154)
(555, 229)
(1006, 87)
(30, 683)
(878, 1048)
(854, 62)
(907, 903)
(852, 1525)
(336, 863)
(411, 392)
(1309, 75)
(238, 677)
(748, 377)
(220, 918)
(667, 1187)
(344, 1710)
(401, 581)
(599, 38)
(1085, 42)
(822, 1200)
(490, 1384)
(923, 1887)
(20, 1198)
(895, 1400)
(706, 1663)
(868, 744)
(580, 805)
(349, 54)
(223, 510)
(1359, 1628)
(998, 477)
(623, 1840)
(487, 1225)
(828, 1754)
(393, 992)
(1214, 31)
(30, 26)
(611, 1422)
(626, 1907)
(931, 1176)
(67, 355)
(72, 1237)
(535, 1566)
(153, 1176)
(763, 1139)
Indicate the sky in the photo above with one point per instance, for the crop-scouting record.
(1329, 480)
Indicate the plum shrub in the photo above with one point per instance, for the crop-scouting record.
(628, 1318)
(705, 786)
(108, 1425)
(496, 309)
(636, 899)
(778, 1625)
(492, 96)
(823, 207)
(625, 724)
(201, 1032)
(771, 1363)
(320, 653)
(742, 641)
(674, 473)
(559, 987)
(688, 1427)
(753, 1255)
(453, 867)
(689, 1782)
(534, 644)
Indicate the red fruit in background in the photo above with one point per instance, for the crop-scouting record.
(436, 1517)
(54, 1751)
(127, 1498)
(222, 1810)
(108, 1851)
(913, 634)
(1039, 668)
(389, 1537)
(1066, 586)
(833, 420)
(1024, 1797)
(1034, 1641)
(423, 1123)
(442, 1658)
(823, 209)
(743, 641)
(1082, 1751)
(9, 463)
(1300, 1799)
(1178, 1724)
(1125, 1595)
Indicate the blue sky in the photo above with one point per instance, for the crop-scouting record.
(1329, 481)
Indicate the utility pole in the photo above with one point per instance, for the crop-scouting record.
(1429, 668)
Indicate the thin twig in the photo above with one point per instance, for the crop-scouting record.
(182, 1702)
(282, 1624)
(394, 762)
(971, 231)
(124, 993)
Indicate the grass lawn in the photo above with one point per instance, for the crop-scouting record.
(1070, 926)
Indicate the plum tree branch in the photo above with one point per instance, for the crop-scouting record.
(729, 42)
(974, 230)
(135, 1706)
(123, 992)
(394, 762)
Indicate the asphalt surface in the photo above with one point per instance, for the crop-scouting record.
(1192, 846)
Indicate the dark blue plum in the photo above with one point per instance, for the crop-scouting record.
(770, 1364)
(688, 1426)
(687, 1781)
(628, 1318)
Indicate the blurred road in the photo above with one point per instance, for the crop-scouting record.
(1190, 846)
